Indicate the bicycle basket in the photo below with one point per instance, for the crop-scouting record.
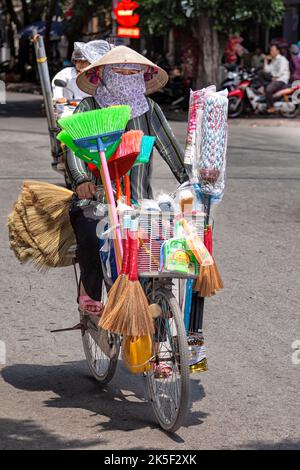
(154, 229)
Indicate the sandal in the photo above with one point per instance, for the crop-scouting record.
(90, 306)
(162, 370)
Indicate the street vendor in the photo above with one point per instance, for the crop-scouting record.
(83, 55)
(120, 77)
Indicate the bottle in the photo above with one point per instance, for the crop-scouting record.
(197, 353)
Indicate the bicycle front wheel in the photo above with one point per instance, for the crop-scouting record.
(169, 392)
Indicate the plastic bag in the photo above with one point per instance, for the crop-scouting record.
(205, 155)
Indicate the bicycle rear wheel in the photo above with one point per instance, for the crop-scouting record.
(101, 347)
(170, 395)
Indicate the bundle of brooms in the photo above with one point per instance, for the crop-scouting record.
(39, 225)
(129, 314)
(209, 280)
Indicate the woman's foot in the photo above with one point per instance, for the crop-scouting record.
(90, 306)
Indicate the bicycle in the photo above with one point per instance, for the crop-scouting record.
(169, 394)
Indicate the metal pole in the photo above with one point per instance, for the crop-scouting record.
(43, 70)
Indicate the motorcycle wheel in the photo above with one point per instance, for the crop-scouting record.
(235, 107)
(290, 114)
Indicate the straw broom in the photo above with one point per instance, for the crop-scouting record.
(209, 280)
(39, 225)
(131, 315)
(121, 282)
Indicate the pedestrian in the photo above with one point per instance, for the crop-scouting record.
(82, 56)
(295, 62)
(275, 75)
(257, 60)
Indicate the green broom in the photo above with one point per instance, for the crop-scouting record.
(96, 130)
(83, 154)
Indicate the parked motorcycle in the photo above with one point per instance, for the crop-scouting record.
(246, 98)
(175, 96)
(232, 77)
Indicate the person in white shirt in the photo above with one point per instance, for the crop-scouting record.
(277, 66)
(83, 55)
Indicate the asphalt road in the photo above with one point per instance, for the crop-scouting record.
(249, 398)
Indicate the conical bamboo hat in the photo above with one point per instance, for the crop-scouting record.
(155, 77)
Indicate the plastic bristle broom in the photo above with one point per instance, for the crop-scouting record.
(96, 122)
(66, 139)
(125, 157)
(130, 144)
(96, 130)
(143, 157)
(84, 154)
(146, 149)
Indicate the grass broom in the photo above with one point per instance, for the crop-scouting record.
(131, 315)
(97, 130)
(209, 280)
(39, 225)
(121, 282)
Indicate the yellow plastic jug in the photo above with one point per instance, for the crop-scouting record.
(137, 353)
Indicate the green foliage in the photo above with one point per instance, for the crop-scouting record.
(227, 15)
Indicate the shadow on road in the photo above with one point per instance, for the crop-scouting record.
(285, 444)
(21, 109)
(125, 405)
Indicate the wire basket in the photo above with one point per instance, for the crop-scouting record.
(154, 229)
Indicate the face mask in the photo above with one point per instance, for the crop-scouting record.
(118, 89)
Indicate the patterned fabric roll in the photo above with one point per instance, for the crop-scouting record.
(205, 153)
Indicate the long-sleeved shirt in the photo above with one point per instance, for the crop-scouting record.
(279, 69)
(154, 123)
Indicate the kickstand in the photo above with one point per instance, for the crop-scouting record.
(79, 326)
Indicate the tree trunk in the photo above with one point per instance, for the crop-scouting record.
(12, 13)
(210, 51)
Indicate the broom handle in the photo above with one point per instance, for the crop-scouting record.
(113, 210)
(134, 245)
(127, 188)
(200, 302)
(118, 182)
